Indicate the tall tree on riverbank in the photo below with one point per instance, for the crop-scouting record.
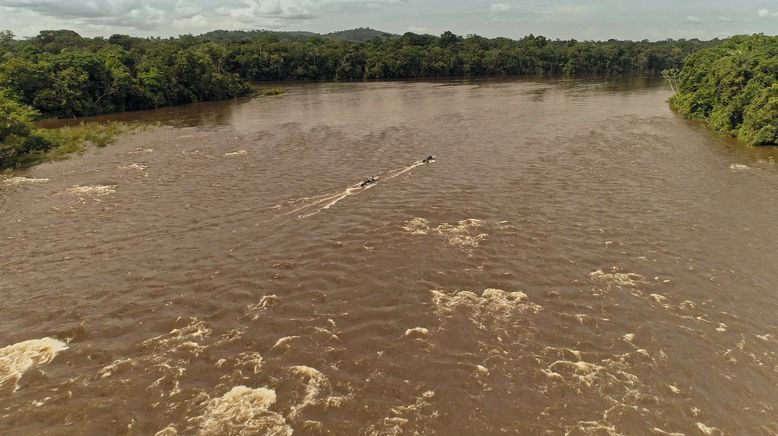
(17, 131)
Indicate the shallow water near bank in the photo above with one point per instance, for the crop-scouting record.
(576, 260)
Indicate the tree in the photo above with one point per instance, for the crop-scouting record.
(17, 135)
(734, 88)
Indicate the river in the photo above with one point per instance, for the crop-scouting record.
(577, 259)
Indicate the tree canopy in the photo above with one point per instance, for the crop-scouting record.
(734, 88)
(62, 74)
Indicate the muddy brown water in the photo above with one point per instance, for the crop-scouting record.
(577, 260)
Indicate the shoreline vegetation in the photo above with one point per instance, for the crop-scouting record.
(271, 91)
(23, 144)
(732, 87)
(60, 74)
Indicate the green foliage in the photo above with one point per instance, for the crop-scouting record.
(272, 91)
(62, 74)
(734, 88)
(96, 134)
(18, 135)
(22, 143)
(362, 34)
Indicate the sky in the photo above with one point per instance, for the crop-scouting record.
(564, 19)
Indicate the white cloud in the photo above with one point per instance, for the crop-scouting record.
(186, 15)
(420, 30)
(497, 8)
(580, 19)
(568, 9)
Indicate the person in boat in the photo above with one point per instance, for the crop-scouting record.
(428, 159)
(369, 181)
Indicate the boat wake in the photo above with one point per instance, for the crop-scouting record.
(308, 206)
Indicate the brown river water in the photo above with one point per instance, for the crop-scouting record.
(577, 260)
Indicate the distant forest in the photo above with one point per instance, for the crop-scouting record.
(61, 74)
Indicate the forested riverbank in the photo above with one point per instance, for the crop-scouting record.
(61, 74)
(733, 87)
(731, 84)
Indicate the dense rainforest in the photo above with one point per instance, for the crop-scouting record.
(61, 74)
(734, 88)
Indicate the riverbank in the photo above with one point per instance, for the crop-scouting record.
(62, 74)
(62, 142)
(733, 88)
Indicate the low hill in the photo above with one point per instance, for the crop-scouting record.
(360, 34)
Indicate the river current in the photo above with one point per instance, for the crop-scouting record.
(577, 259)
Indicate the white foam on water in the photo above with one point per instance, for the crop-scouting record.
(313, 205)
(167, 355)
(315, 383)
(721, 328)
(417, 333)
(657, 430)
(284, 342)
(565, 353)
(237, 153)
(417, 226)
(113, 367)
(230, 336)
(335, 401)
(167, 431)
(313, 426)
(661, 299)
(19, 358)
(466, 233)
(327, 332)
(94, 190)
(135, 166)
(255, 311)
(39, 403)
(142, 150)
(250, 360)
(182, 339)
(615, 276)
(584, 372)
(403, 416)
(400, 171)
(491, 304)
(704, 429)
(16, 181)
(553, 376)
(242, 411)
(594, 428)
(739, 167)
(343, 195)
(327, 201)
